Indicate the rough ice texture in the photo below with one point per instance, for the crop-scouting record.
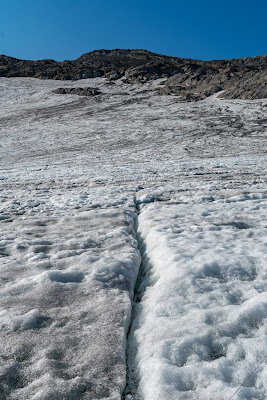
(202, 325)
(72, 171)
(66, 284)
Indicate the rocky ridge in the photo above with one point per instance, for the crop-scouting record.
(190, 80)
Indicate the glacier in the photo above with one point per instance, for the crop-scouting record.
(133, 244)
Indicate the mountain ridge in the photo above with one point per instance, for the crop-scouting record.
(190, 79)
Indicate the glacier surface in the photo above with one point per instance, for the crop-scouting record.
(133, 244)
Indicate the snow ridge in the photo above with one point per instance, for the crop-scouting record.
(201, 326)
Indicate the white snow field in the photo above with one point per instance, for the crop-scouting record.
(132, 244)
(202, 327)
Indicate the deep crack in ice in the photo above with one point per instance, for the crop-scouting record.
(131, 390)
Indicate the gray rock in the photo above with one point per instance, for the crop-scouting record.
(191, 80)
(78, 91)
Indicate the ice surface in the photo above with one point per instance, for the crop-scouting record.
(201, 328)
(73, 173)
(66, 284)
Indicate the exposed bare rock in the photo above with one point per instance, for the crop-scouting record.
(191, 80)
(249, 82)
(79, 91)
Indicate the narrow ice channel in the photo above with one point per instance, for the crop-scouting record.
(131, 390)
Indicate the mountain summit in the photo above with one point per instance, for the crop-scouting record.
(192, 80)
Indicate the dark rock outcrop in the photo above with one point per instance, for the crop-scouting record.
(79, 91)
(237, 82)
(191, 80)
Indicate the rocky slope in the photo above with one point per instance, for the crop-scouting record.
(191, 80)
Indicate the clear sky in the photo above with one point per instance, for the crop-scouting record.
(202, 29)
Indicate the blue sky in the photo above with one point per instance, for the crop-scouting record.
(204, 29)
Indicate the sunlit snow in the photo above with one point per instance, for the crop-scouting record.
(94, 187)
